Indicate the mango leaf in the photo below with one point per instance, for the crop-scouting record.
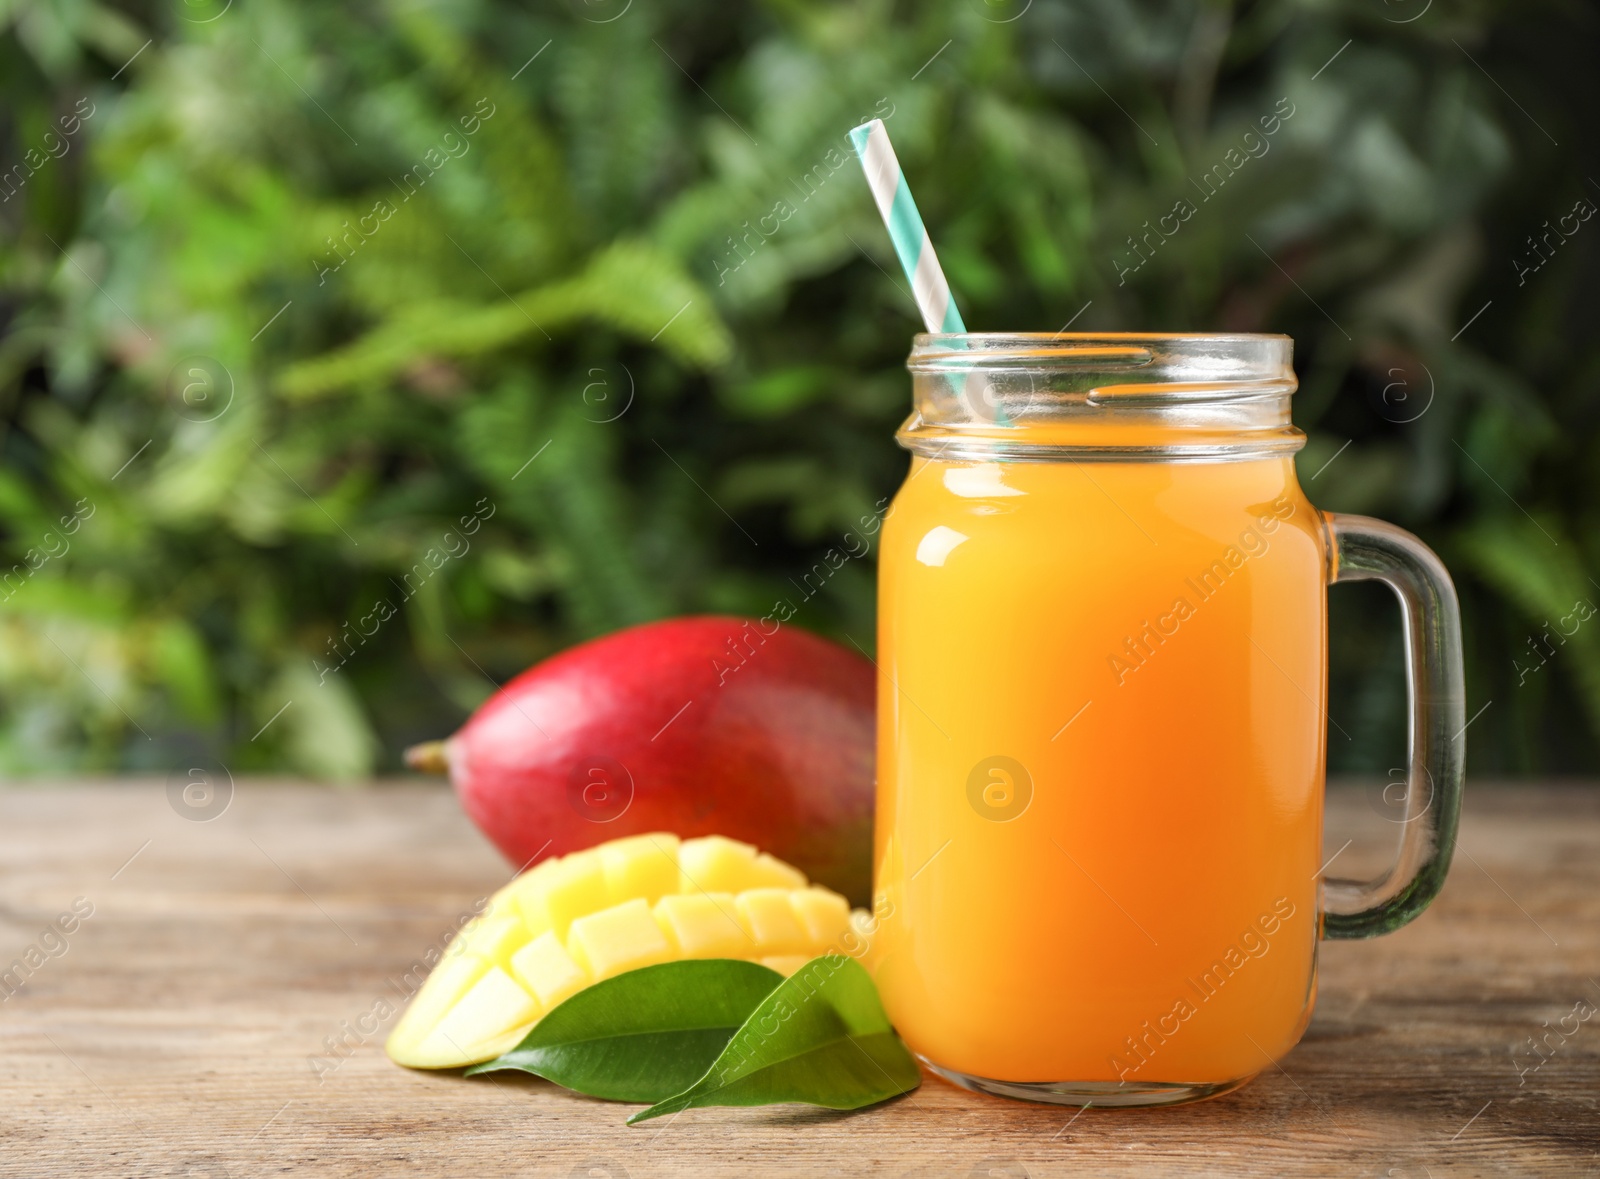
(644, 1035)
(821, 1038)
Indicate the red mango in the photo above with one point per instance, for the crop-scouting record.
(707, 725)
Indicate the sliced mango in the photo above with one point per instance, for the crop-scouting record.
(634, 902)
(769, 921)
(718, 864)
(621, 938)
(545, 968)
(451, 979)
(641, 866)
(824, 913)
(576, 887)
(703, 925)
(493, 937)
(495, 1013)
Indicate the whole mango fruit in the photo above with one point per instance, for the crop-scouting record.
(704, 725)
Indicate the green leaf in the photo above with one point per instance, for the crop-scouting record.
(1526, 562)
(631, 285)
(325, 735)
(644, 1035)
(822, 1038)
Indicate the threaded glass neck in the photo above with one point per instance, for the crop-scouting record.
(1038, 397)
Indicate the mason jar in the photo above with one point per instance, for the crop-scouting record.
(1103, 717)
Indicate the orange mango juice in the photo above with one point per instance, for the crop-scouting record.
(1101, 728)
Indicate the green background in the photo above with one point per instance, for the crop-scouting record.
(579, 329)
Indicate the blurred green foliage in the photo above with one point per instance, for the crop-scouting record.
(383, 349)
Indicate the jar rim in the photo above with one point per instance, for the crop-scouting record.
(1177, 357)
(1091, 336)
(1045, 395)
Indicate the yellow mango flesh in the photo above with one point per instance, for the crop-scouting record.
(569, 923)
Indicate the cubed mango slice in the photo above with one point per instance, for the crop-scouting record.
(771, 872)
(450, 979)
(769, 919)
(705, 925)
(643, 866)
(824, 914)
(621, 938)
(571, 922)
(546, 969)
(577, 885)
(495, 1013)
(493, 938)
(717, 864)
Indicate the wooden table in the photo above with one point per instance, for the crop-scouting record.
(177, 1034)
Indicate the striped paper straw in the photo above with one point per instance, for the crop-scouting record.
(910, 236)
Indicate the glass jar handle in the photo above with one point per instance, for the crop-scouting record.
(1363, 549)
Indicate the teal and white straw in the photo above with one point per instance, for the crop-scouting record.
(910, 236)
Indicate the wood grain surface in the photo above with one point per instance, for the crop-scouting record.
(186, 1028)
